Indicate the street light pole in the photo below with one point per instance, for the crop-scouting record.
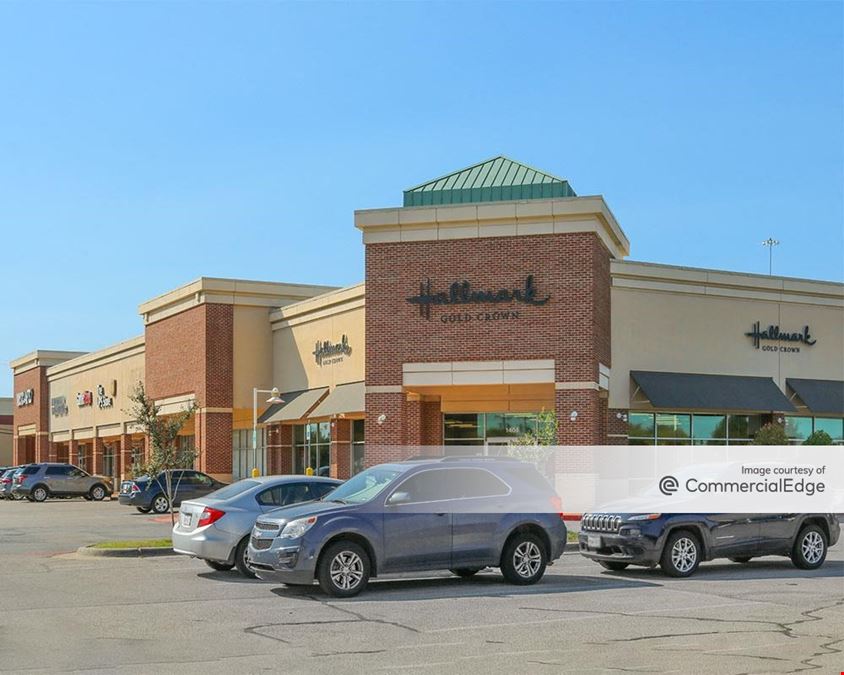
(273, 399)
(770, 243)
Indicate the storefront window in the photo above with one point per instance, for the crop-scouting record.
(682, 429)
(82, 456)
(486, 428)
(798, 428)
(312, 447)
(710, 429)
(108, 459)
(673, 426)
(834, 427)
(462, 427)
(357, 447)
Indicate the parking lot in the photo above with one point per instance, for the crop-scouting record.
(65, 612)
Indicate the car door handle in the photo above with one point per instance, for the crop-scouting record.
(441, 514)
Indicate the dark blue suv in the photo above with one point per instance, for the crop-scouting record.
(678, 542)
(455, 513)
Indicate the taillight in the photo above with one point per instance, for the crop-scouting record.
(135, 487)
(557, 505)
(209, 516)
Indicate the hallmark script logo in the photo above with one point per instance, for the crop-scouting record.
(773, 333)
(462, 293)
(668, 485)
(330, 352)
(58, 404)
(26, 397)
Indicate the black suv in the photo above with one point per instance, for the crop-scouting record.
(678, 542)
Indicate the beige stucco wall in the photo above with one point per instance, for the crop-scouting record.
(696, 323)
(123, 363)
(253, 354)
(297, 329)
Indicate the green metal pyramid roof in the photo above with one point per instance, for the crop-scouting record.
(496, 180)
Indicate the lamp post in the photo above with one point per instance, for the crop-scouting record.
(273, 399)
(770, 243)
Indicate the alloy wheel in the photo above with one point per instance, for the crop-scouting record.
(527, 559)
(812, 547)
(98, 493)
(683, 554)
(346, 570)
(40, 494)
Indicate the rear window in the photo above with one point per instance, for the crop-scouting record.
(234, 489)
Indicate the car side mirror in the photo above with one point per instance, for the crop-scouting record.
(398, 498)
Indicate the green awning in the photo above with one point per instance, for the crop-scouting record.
(822, 397)
(297, 404)
(346, 398)
(695, 391)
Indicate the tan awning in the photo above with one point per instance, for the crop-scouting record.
(346, 398)
(297, 404)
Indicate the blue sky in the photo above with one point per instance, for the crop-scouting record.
(143, 145)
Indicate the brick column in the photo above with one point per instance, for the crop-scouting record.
(72, 449)
(216, 434)
(52, 452)
(383, 440)
(617, 426)
(42, 446)
(125, 455)
(341, 448)
(97, 450)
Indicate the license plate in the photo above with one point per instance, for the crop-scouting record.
(185, 520)
(593, 541)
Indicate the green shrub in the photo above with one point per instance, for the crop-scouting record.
(771, 434)
(818, 438)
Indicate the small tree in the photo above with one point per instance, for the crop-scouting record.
(818, 438)
(163, 433)
(770, 434)
(533, 446)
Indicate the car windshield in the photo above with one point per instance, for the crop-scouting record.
(233, 490)
(364, 486)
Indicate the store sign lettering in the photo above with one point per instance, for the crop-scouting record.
(58, 404)
(26, 397)
(84, 398)
(103, 399)
(462, 293)
(774, 334)
(327, 352)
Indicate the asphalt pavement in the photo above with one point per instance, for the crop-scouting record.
(67, 613)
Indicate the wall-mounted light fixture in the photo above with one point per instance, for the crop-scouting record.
(573, 416)
(621, 416)
(381, 419)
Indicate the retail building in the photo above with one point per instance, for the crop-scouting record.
(493, 294)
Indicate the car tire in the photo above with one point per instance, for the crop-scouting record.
(142, 509)
(741, 559)
(612, 565)
(343, 569)
(160, 504)
(240, 559)
(97, 493)
(524, 559)
(809, 550)
(681, 554)
(220, 567)
(39, 493)
(466, 572)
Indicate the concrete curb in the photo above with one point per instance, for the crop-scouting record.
(572, 546)
(124, 552)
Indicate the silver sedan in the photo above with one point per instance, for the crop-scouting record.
(216, 527)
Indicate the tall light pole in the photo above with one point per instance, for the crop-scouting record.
(770, 243)
(272, 400)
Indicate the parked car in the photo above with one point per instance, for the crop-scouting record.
(149, 494)
(462, 514)
(39, 481)
(679, 542)
(216, 527)
(6, 482)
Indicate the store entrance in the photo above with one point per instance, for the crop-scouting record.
(485, 433)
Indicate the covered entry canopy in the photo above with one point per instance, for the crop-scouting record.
(296, 405)
(693, 391)
(824, 397)
(346, 398)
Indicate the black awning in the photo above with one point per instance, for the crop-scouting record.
(820, 396)
(692, 391)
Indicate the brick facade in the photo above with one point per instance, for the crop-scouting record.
(192, 352)
(32, 448)
(573, 328)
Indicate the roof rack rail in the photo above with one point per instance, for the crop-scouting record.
(487, 458)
